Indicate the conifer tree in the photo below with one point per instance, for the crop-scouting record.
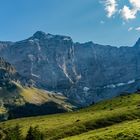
(34, 134)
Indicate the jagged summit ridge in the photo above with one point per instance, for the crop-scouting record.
(39, 34)
(42, 35)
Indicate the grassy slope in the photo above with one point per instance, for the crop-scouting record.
(16, 95)
(38, 97)
(128, 130)
(102, 118)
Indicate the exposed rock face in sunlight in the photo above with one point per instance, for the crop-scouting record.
(85, 72)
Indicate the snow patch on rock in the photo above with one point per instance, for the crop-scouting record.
(67, 39)
(86, 89)
(120, 84)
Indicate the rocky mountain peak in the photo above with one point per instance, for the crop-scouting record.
(137, 43)
(39, 35)
(42, 36)
(6, 66)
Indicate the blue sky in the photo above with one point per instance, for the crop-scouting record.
(114, 22)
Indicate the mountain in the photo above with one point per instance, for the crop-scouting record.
(18, 97)
(113, 119)
(86, 73)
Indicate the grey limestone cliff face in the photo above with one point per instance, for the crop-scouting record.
(86, 73)
(9, 74)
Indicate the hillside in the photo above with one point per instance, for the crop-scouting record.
(109, 119)
(128, 130)
(18, 98)
(24, 101)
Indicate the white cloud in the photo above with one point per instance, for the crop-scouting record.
(126, 12)
(134, 28)
(135, 4)
(137, 29)
(110, 7)
(130, 29)
(130, 13)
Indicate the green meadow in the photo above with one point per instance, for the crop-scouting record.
(118, 118)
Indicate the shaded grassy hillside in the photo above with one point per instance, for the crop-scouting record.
(103, 120)
(18, 101)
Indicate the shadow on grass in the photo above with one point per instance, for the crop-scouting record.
(28, 110)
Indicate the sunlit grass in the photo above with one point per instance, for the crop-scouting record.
(99, 116)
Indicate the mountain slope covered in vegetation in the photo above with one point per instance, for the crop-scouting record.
(100, 121)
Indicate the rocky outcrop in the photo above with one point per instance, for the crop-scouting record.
(8, 73)
(18, 97)
(86, 73)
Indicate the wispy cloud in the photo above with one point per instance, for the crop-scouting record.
(137, 29)
(110, 7)
(130, 29)
(126, 12)
(134, 29)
